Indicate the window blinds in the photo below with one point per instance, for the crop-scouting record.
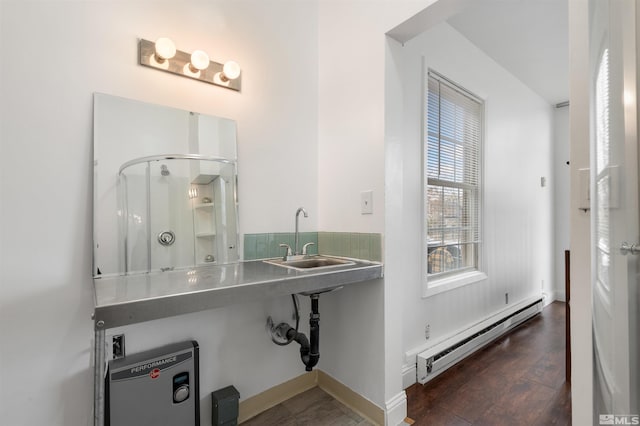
(453, 159)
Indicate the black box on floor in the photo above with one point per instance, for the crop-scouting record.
(225, 406)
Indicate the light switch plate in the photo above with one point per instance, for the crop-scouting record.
(366, 202)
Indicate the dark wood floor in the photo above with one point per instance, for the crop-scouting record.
(517, 380)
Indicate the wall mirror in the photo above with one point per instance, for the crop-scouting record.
(164, 188)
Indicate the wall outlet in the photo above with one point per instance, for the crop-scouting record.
(366, 202)
(427, 332)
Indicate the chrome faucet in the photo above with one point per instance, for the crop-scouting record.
(296, 249)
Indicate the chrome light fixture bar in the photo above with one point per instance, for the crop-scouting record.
(162, 55)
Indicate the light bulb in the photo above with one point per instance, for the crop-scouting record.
(199, 61)
(230, 71)
(165, 49)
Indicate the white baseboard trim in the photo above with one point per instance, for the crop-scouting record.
(396, 410)
(409, 375)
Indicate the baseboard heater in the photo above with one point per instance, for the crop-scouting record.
(436, 360)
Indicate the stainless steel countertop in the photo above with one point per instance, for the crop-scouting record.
(130, 299)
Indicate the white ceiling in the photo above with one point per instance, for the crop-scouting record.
(529, 38)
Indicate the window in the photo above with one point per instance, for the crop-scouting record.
(453, 151)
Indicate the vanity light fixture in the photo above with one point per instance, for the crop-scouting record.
(163, 55)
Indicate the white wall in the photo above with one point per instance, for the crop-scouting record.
(351, 108)
(517, 231)
(351, 120)
(61, 52)
(581, 315)
(561, 197)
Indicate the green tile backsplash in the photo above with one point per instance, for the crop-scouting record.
(347, 244)
(264, 246)
(351, 244)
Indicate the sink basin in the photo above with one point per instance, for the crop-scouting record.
(311, 263)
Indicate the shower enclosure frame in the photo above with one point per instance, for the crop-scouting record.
(162, 157)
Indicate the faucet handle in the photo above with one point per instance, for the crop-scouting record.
(288, 253)
(304, 248)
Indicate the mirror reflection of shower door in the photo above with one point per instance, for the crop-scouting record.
(170, 215)
(614, 206)
(178, 211)
(226, 221)
(134, 230)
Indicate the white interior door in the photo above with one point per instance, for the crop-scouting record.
(614, 206)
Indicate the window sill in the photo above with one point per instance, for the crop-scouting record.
(440, 285)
